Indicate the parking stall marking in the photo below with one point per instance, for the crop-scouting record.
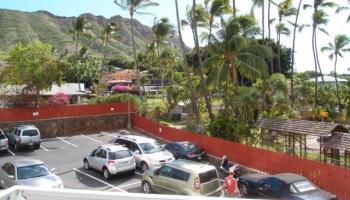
(41, 147)
(101, 181)
(130, 184)
(67, 142)
(91, 138)
(13, 154)
(109, 134)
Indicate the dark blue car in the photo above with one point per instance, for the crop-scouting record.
(281, 186)
(185, 150)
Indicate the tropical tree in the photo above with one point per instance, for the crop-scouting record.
(109, 31)
(233, 53)
(133, 7)
(295, 25)
(197, 17)
(234, 8)
(285, 9)
(339, 46)
(194, 99)
(81, 28)
(161, 29)
(342, 8)
(260, 4)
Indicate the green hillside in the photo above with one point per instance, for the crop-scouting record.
(23, 27)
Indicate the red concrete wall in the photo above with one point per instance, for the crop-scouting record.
(29, 114)
(331, 178)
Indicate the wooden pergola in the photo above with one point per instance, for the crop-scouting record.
(334, 144)
(294, 131)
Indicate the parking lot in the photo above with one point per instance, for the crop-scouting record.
(66, 154)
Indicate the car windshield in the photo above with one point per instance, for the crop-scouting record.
(189, 146)
(302, 186)
(32, 132)
(2, 136)
(32, 171)
(119, 154)
(151, 147)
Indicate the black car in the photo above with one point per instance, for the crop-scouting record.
(185, 150)
(281, 186)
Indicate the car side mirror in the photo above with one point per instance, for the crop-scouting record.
(137, 152)
(11, 177)
(53, 170)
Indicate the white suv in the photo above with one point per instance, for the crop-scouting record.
(24, 136)
(148, 152)
(110, 159)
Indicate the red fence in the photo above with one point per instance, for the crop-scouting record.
(25, 114)
(331, 178)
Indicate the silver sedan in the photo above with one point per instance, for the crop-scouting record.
(28, 172)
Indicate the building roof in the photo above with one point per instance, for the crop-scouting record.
(303, 127)
(67, 88)
(328, 79)
(123, 75)
(339, 141)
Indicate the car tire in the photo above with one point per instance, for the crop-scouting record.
(106, 173)
(243, 189)
(37, 147)
(144, 166)
(132, 172)
(86, 165)
(146, 187)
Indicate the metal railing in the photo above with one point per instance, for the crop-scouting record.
(35, 193)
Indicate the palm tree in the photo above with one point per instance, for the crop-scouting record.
(194, 101)
(342, 8)
(81, 28)
(161, 29)
(133, 6)
(319, 17)
(295, 25)
(337, 48)
(234, 52)
(284, 10)
(260, 4)
(217, 8)
(197, 17)
(234, 8)
(109, 31)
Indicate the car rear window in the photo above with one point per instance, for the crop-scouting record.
(302, 186)
(119, 154)
(189, 146)
(32, 132)
(180, 175)
(2, 136)
(208, 176)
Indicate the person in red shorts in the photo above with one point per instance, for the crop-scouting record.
(230, 184)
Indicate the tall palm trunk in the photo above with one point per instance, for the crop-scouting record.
(199, 57)
(317, 58)
(160, 66)
(315, 62)
(135, 55)
(279, 46)
(269, 34)
(234, 8)
(293, 52)
(76, 59)
(263, 19)
(336, 80)
(194, 100)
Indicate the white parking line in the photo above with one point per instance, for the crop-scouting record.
(126, 185)
(67, 142)
(13, 154)
(41, 147)
(91, 138)
(138, 173)
(101, 181)
(110, 134)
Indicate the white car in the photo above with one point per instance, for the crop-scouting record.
(4, 144)
(110, 160)
(148, 152)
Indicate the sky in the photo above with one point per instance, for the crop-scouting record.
(304, 56)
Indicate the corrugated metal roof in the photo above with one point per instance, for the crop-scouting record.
(339, 141)
(303, 127)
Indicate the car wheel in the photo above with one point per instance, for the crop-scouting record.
(146, 187)
(243, 189)
(144, 167)
(86, 165)
(106, 173)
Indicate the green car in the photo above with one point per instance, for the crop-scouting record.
(182, 177)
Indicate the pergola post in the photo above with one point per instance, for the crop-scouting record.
(321, 148)
(345, 158)
(293, 144)
(305, 147)
(301, 145)
(262, 137)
